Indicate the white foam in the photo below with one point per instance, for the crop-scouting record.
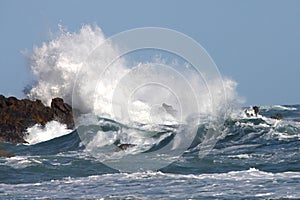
(139, 138)
(53, 129)
(250, 183)
(283, 136)
(21, 162)
(241, 156)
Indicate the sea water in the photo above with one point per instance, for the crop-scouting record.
(232, 157)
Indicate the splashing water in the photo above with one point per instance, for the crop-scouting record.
(252, 152)
(56, 66)
(53, 129)
(98, 77)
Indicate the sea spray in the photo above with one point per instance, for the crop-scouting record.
(97, 76)
(56, 64)
(38, 133)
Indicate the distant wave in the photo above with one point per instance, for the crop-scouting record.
(278, 107)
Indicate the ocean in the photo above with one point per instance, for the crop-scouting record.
(258, 158)
(149, 125)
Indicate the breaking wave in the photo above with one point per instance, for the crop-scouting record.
(56, 66)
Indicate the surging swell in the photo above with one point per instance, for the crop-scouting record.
(56, 65)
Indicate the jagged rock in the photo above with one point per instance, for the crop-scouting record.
(169, 109)
(17, 115)
(252, 111)
(277, 116)
(256, 110)
(63, 112)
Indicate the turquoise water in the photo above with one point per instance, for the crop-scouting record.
(256, 158)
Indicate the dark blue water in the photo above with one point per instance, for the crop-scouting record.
(256, 158)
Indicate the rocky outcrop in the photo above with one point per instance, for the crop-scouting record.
(17, 115)
(252, 111)
(62, 112)
(5, 154)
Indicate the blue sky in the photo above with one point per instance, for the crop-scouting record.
(254, 42)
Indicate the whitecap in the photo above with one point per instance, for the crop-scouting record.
(38, 133)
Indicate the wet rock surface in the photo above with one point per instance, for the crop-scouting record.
(17, 115)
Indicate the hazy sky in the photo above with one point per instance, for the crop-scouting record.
(254, 42)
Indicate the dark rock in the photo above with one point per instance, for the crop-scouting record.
(296, 120)
(62, 112)
(277, 116)
(126, 146)
(252, 111)
(5, 154)
(169, 109)
(256, 110)
(17, 115)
